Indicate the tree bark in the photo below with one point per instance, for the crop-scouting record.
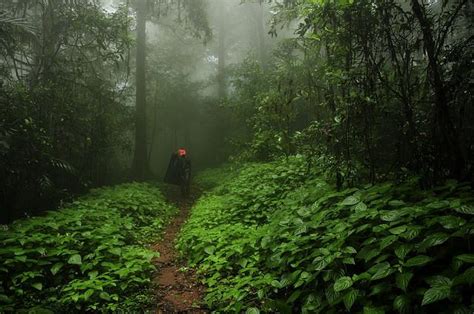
(446, 138)
(221, 54)
(140, 160)
(261, 35)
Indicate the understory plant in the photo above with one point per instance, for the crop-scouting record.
(277, 239)
(88, 256)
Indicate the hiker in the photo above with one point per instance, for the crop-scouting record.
(179, 171)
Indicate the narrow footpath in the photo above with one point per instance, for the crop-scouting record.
(177, 289)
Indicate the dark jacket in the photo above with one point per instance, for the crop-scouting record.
(179, 170)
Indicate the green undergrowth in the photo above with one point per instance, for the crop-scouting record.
(212, 177)
(275, 238)
(88, 256)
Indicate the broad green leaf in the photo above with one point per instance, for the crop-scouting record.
(303, 212)
(75, 259)
(439, 282)
(382, 272)
(435, 294)
(403, 280)
(382, 258)
(276, 284)
(350, 201)
(285, 282)
(380, 228)
(322, 263)
(398, 230)
(451, 222)
(368, 253)
(21, 258)
(434, 239)
(402, 250)
(209, 250)
(116, 251)
(349, 298)
(417, 261)
(466, 209)
(401, 304)
(387, 241)
(467, 258)
(438, 204)
(332, 296)
(294, 296)
(411, 232)
(104, 296)
(300, 230)
(342, 283)
(362, 276)
(361, 207)
(466, 278)
(88, 293)
(350, 250)
(396, 203)
(390, 216)
(252, 310)
(93, 274)
(56, 267)
(37, 286)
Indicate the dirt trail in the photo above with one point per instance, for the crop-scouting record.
(176, 288)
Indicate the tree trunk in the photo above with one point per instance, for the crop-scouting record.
(222, 90)
(140, 164)
(446, 139)
(261, 35)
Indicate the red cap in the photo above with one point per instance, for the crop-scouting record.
(181, 152)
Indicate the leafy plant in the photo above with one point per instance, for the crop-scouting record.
(275, 239)
(88, 256)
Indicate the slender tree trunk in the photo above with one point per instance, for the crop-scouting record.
(261, 35)
(222, 93)
(446, 138)
(154, 128)
(140, 164)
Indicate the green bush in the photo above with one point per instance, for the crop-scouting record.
(86, 256)
(212, 177)
(272, 240)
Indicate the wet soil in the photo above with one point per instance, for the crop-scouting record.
(177, 289)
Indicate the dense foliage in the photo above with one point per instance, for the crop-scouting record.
(63, 118)
(378, 88)
(274, 238)
(349, 131)
(87, 256)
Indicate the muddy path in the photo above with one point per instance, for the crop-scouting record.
(177, 289)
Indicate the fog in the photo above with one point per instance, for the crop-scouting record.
(98, 92)
(236, 156)
(189, 79)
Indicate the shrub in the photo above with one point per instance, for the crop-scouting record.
(86, 256)
(276, 240)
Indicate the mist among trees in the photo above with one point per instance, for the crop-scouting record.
(331, 141)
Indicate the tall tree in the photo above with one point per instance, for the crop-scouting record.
(196, 16)
(446, 137)
(140, 158)
(260, 29)
(221, 52)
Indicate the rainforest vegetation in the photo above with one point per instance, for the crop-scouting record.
(332, 148)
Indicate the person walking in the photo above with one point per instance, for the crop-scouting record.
(179, 171)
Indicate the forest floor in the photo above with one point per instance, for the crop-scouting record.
(177, 289)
